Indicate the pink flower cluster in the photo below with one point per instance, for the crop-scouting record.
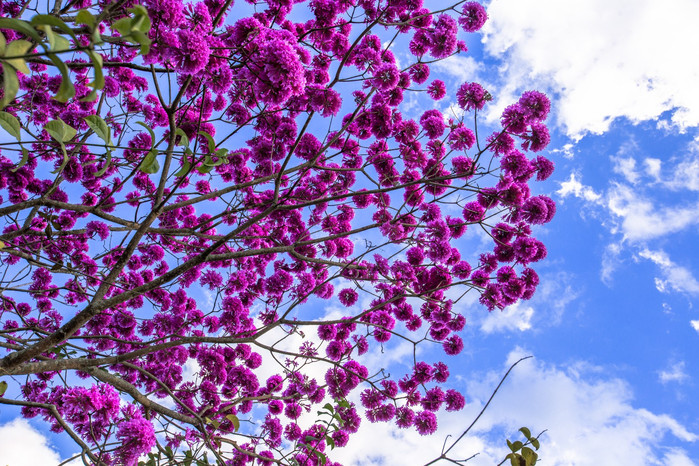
(272, 187)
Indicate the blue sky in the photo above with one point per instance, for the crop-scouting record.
(614, 328)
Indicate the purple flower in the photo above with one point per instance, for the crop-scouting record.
(433, 399)
(474, 212)
(404, 417)
(453, 345)
(432, 122)
(348, 296)
(538, 210)
(535, 105)
(443, 39)
(99, 228)
(544, 168)
(192, 54)
(472, 96)
(537, 139)
(461, 138)
(137, 437)
(426, 422)
(335, 350)
(437, 90)
(441, 373)
(340, 437)
(293, 411)
(386, 77)
(327, 332)
(455, 400)
(515, 118)
(419, 73)
(422, 372)
(473, 17)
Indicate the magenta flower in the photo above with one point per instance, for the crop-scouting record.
(426, 422)
(473, 17)
(137, 438)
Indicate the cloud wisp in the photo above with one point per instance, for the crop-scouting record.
(604, 60)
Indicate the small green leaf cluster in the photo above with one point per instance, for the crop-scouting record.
(46, 31)
(521, 454)
(135, 28)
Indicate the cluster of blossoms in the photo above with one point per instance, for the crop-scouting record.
(227, 190)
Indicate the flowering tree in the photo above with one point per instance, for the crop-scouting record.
(183, 184)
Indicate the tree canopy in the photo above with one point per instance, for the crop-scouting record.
(211, 213)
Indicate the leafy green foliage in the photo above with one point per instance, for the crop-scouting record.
(520, 452)
(135, 28)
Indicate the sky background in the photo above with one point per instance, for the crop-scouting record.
(614, 327)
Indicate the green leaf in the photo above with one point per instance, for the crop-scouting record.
(514, 459)
(210, 140)
(535, 443)
(150, 163)
(10, 124)
(53, 21)
(150, 131)
(234, 420)
(184, 140)
(3, 387)
(20, 26)
(108, 161)
(50, 36)
(61, 44)
(343, 403)
(143, 40)
(213, 422)
(203, 169)
(529, 455)
(184, 170)
(18, 49)
(86, 18)
(25, 159)
(527, 433)
(123, 26)
(60, 131)
(3, 44)
(321, 457)
(66, 89)
(330, 441)
(141, 19)
(99, 126)
(11, 85)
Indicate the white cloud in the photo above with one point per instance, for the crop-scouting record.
(463, 68)
(574, 187)
(642, 218)
(625, 58)
(610, 262)
(694, 324)
(590, 420)
(515, 317)
(674, 277)
(652, 168)
(685, 175)
(626, 166)
(22, 445)
(673, 373)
